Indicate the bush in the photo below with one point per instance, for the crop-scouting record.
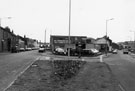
(66, 69)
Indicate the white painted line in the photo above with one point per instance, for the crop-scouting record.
(121, 88)
(47, 58)
(21, 73)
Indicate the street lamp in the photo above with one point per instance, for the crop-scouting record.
(134, 37)
(69, 28)
(107, 24)
(4, 18)
(45, 38)
(106, 31)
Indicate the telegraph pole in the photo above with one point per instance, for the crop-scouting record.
(134, 38)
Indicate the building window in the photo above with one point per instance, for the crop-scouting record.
(88, 41)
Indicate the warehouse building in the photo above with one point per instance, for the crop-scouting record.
(63, 41)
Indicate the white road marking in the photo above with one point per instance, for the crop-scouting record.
(121, 88)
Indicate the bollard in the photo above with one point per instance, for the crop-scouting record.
(101, 58)
(83, 59)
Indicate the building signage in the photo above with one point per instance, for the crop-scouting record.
(61, 41)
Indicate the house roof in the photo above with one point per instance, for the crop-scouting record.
(8, 31)
(103, 40)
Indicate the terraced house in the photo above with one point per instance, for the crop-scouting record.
(7, 39)
(1, 39)
(103, 44)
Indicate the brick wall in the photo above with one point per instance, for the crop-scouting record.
(1, 38)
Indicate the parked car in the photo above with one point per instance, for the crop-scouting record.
(87, 52)
(95, 51)
(60, 51)
(132, 50)
(14, 49)
(115, 51)
(21, 49)
(33, 48)
(73, 52)
(28, 49)
(41, 49)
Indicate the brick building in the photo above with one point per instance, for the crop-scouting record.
(103, 43)
(7, 39)
(1, 39)
(90, 43)
(62, 41)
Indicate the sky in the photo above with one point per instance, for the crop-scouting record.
(88, 18)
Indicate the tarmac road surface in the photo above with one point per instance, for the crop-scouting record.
(123, 67)
(12, 64)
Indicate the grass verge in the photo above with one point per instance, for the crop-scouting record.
(59, 75)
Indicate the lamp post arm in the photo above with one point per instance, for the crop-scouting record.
(4, 18)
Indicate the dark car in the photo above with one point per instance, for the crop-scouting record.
(125, 51)
(73, 52)
(41, 49)
(14, 49)
(21, 49)
(87, 52)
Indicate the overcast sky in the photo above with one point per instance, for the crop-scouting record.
(88, 18)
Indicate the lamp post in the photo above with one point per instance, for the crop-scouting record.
(4, 18)
(69, 28)
(134, 37)
(107, 31)
(45, 38)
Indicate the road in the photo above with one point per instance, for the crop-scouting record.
(123, 67)
(12, 64)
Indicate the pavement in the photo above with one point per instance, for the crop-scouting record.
(49, 55)
(5, 53)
